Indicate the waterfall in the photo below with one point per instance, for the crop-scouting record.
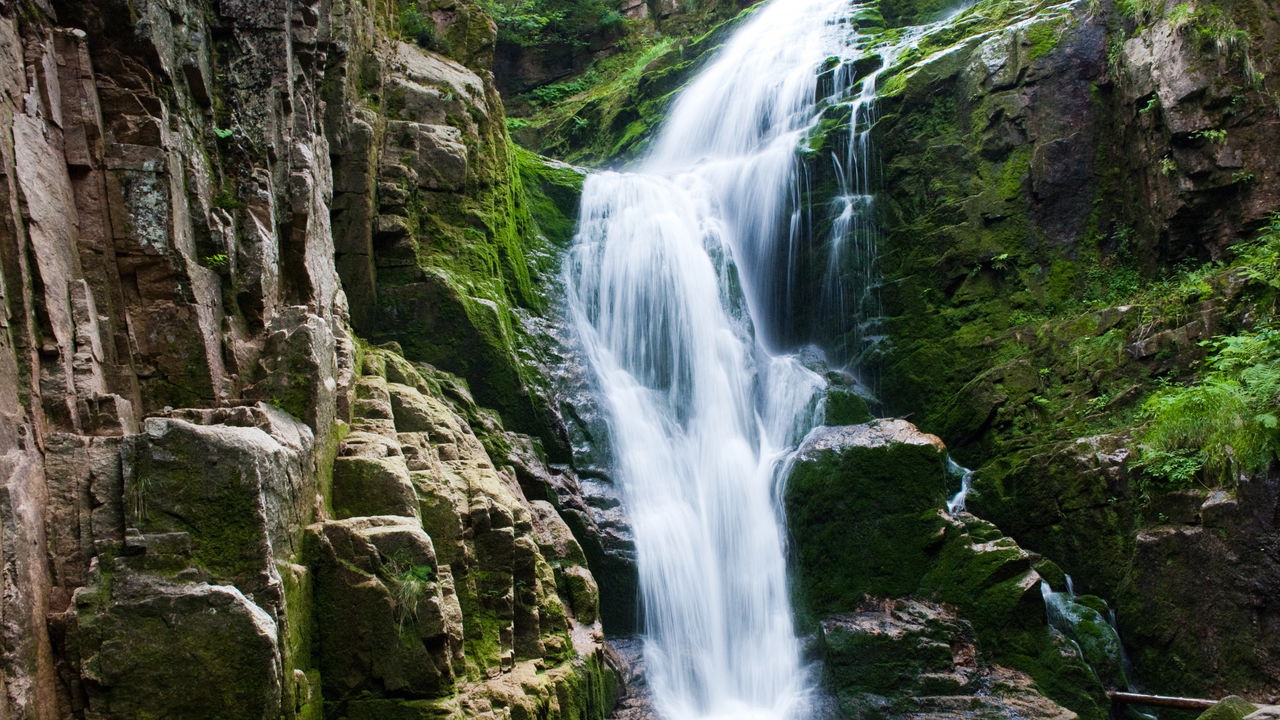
(682, 285)
(958, 502)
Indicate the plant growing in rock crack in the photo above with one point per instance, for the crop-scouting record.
(1215, 136)
(410, 584)
(217, 261)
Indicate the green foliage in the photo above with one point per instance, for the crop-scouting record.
(1215, 136)
(217, 262)
(1221, 426)
(544, 23)
(223, 133)
(416, 27)
(556, 92)
(1261, 258)
(411, 584)
(1139, 10)
(1210, 24)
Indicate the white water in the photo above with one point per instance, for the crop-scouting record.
(958, 502)
(680, 287)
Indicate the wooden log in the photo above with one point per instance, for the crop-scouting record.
(1180, 703)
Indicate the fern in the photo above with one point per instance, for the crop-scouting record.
(1222, 426)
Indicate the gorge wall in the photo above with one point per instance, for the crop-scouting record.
(219, 499)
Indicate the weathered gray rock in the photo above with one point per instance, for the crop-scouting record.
(140, 639)
(240, 494)
(387, 617)
(913, 659)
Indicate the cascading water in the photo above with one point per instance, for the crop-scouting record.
(681, 283)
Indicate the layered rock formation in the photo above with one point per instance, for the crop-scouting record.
(1058, 181)
(217, 500)
(918, 613)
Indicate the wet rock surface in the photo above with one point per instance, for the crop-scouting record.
(894, 587)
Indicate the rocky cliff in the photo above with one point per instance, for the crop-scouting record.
(218, 499)
(1072, 199)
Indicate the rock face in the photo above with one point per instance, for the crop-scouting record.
(1050, 171)
(904, 597)
(216, 501)
(908, 658)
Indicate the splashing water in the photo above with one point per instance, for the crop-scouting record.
(682, 285)
(958, 502)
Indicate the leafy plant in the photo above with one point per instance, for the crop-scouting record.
(1261, 258)
(1215, 136)
(1221, 426)
(1168, 166)
(217, 262)
(410, 585)
(223, 133)
(415, 26)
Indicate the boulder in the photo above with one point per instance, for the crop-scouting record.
(1229, 708)
(387, 619)
(140, 639)
(865, 507)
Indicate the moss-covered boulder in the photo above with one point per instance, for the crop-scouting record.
(364, 486)
(863, 505)
(1229, 708)
(890, 659)
(138, 639)
(865, 509)
(388, 619)
(239, 493)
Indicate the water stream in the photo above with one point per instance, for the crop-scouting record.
(684, 282)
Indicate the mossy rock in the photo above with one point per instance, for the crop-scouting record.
(863, 510)
(142, 647)
(845, 407)
(1229, 708)
(367, 486)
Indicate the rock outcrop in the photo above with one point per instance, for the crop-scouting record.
(918, 611)
(217, 501)
(1058, 181)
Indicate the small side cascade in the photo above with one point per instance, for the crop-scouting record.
(1085, 621)
(956, 504)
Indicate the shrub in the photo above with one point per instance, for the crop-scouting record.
(541, 23)
(416, 27)
(1221, 426)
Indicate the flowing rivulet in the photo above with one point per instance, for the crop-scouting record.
(682, 283)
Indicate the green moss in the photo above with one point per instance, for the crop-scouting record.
(1013, 174)
(863, 521)
(1229, 708)
(1043, 37)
